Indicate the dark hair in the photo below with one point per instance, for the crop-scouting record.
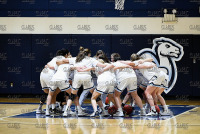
(135, 57)
(99, 52)
(104, 58)
(62, 52)
(116, 57)
(83, 52)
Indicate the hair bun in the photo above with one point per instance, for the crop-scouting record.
(81, 48)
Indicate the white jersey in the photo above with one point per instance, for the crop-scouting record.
(62, 73)
(86, 62)
(150, 72)
(106, 78)
(47, 73)
(124, 73)
(53, 61)
(72, 60)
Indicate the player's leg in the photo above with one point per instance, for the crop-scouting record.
(148, 94)
(111, 98)
(162, 101)
(53, 101)
(43, 99)
(126, 98)
(49, 99)
(118, 101)
(94, 97)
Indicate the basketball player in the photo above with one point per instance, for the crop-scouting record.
(105, 84)
(155, 77)
(126, 78)
(45, 77)
(81, 78)
(61, 78)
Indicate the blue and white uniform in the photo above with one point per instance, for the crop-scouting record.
(155, 76)
(141, 80)
(47, 73)
(84, 78)
(61, 78)
(126, 78)
(105, 81)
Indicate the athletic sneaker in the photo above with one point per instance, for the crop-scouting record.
(66, 113)
(95, 114)
(82, 108)
(152, 113)
(40, 111)
(47, 113)
(81, 113)
(165, 113)
(72, 113)
(100, 110)
(69, 112)
(119, 114)
(105, 113)
(56, 111)
(142, 112)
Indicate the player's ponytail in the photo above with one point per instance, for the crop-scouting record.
(135, 57)
(81, 55)
(104, 58)
(81, 48)
(116, 57)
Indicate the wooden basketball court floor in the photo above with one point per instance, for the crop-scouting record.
(17, 116)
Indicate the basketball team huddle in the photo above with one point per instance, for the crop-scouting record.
(64, 77)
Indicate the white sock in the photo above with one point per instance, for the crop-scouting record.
(83, 96)
(103, 98)
(165, 107)
(153, 108)
(111, 104)
(120, 109)
(79, 108)
(47, 107)
(53, 106)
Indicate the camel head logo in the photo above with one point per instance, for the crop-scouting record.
(165, 53)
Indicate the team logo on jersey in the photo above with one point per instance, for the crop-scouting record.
(165, 52)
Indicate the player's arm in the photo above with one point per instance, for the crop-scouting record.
(99, 64)
(121, 67)
(64, 61)
(81, 69)
(141, 61)
(130, 63)
(145, 66)
(107, 67)
(49, 66)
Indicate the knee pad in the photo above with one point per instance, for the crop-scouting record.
(43, 98)
(72, 97)
(98, 98)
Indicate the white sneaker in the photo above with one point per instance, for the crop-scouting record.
(165, 113)
(84, 109)
(105, 113)
(151, 113)
(39, 111)
(72, 113)
(119, 114)
(142, 112)
(47, 113)
(95, 114)
(81, 113)
(66, 113)
(100, 110)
